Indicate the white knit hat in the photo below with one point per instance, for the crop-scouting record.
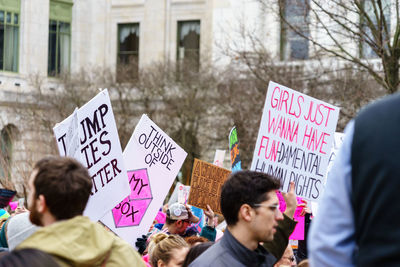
(19, 228)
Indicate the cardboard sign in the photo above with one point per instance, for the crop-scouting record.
(90, 135)
(206, 184)
(295, 139)
(153, 160)
(234, 150)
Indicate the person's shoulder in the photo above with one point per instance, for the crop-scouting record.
(216, 255)
(123, 254)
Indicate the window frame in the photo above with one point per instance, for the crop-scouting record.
(178, 34)
(12, 24)
(58, 72)
(285, 30)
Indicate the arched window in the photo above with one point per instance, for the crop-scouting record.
(7, 136)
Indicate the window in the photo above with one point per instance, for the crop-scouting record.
(9, 38)
(373, 12)
(293, 44)
(59, 47)
(128, 50)
(59, 52)
(188, 48)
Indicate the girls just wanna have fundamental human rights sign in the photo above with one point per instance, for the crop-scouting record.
(294, 140)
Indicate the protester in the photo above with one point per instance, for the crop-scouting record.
(251, 209)
(195, 251)
(178, 221)
(59, 189)
(167, 250)
(27, 257)
(356, 224)
(288, 258)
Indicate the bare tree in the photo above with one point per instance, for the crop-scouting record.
(359, 32)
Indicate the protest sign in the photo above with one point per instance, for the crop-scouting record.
(234, 150)
(219, 158)
(206, 184)
(338, 141)
(295, 139)
(298, 232)
(90, 135)
(153, 160)
(180, 194)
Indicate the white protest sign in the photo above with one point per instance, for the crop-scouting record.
(99, 150)
(295, 139)
(337, 143)
(180, 194)
(153, 160)
(219, 158)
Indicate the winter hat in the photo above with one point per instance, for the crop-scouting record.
(19, 228)
(177, 211)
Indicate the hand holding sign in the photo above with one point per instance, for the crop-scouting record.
(210, 216)
(290, 200)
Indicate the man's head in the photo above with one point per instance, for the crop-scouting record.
(248, 198)
(178, 218)
(58, 186)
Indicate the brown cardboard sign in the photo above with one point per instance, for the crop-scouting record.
(206, 185)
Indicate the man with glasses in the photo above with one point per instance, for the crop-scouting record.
(251, 209)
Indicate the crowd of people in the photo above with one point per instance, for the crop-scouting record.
(352, 228)
(53, 232)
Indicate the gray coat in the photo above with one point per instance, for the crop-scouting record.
(230, 253)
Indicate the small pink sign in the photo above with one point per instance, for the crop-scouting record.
(130, 211)
(298, 233)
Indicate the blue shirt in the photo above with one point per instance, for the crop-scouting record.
(331, 238)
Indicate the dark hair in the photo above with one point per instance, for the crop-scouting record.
(65, 184)
(245, 187)
(196, 251)
(27, 257)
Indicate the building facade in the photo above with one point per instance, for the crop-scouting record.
(40, 39)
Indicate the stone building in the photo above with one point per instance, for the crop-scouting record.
(39, 39)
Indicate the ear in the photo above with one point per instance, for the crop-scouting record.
(245, 213)
(160, 263)
(41, 204)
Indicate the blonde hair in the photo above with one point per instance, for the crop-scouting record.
(161, 246)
